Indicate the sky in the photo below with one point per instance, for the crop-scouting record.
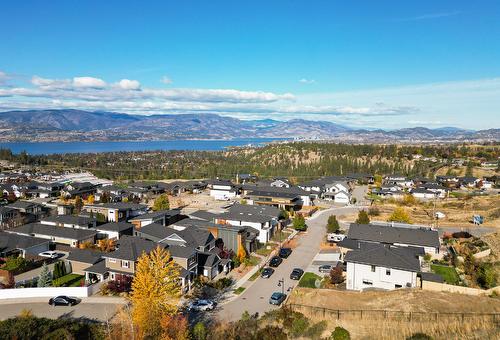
(377, 64)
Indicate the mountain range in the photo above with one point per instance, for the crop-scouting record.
(78, 125)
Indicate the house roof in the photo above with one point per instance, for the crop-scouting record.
(386, 256)
(98, 268)
(391, 235)
(50, 230)
(322, 181)
(70, 219)
(119, 206)
(85, 256)
(255, 209)
(10, 242)
(22, 205)
(119, 227)
(156, 230)
(207, 259)
(155, 214)
(4, 210)
(130, 248)
(204, 215)
(181, 251)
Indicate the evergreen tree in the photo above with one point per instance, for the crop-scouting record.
(332, 225)
(363, 217)
(161, 203)
(299, 223)
(45, 279)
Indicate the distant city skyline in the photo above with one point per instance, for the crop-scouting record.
(384, 64)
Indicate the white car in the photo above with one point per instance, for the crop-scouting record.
(202, 305)
(50, 254)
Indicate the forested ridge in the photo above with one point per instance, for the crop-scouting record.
(302, 160)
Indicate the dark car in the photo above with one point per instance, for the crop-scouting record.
(296, 274)
(63, 301)
(326, 268)
(277, 298)
(285, 252)
(267, 272)
(275, 261)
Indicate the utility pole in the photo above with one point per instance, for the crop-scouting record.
(281, 283)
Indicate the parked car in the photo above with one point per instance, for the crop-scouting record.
(267, 272)
(296, 274)
(202, 305)
(284, 252)
(63, 300)
(326, 268)
(332, 237)
(275, 261)
(50, 254)
(277, 298)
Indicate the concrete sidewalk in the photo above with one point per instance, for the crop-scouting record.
(91, 299)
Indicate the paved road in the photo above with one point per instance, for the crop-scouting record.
(89, 309)
(255, 298)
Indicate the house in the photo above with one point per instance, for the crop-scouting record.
(448, 181)
(81, 189)
(262, 218)
(331, 184)
(361, 178)
(72, 237)
(117, 212)
(114, 230)
(15, 244)
(468, 182)
(402, 235)
(388, 192)
(422, 193)
(45, 189)
(342, 197)
(163, 217)
(9, 217)
(383, 267)
(70, 221)
(439, 190)
(81, 259)
(244, 178)
(26, 207)
(399, 180)
(280, 182)
(291, 199)
(223, 190)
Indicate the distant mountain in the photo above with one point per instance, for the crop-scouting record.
(78, 125)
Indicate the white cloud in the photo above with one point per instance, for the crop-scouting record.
(4, 77)
(166, 80)
(127, 84)
(89, 82)
(307, 81)
(431, 16)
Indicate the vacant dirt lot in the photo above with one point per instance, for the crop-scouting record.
(398, 300)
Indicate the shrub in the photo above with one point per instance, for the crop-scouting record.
(299, 223)
(199, 331)
(399, 215)
(487, 276)
(340, 334)
(299, 326)
(271, 333)
(419, 336)
(374, 211)
(332, 225)
(363, 217)
(315, 330)
(336, 275)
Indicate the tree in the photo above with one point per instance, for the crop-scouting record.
(284, 215)
(340, 333)
(299, 223)
(155, 292)
(45, 278)
(399, 215)
(78, 204)
(363, 217)
(106, 245)
(242, 254)
(200, 331)
(161, 203)
(91, 199)
(174, 327)
(332, 225)
(336, 275)
(104, 198)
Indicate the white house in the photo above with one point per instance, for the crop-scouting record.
(280, 182)
(223, 190)
(383, 267)
(342, 197)
(422, 193)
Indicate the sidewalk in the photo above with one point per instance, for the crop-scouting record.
(92, 299)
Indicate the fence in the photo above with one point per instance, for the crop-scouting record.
(443, 287)
(19, 293)
(351, 314)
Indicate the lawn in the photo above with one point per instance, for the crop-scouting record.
(252, 261)
(284, 235)
(70, 280)
(255, 275)
(449, 274)
(308, 280)
(263, 251)
(239, 290)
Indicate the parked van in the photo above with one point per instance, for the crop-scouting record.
(334, 237)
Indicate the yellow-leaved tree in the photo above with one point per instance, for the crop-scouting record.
(156, 291)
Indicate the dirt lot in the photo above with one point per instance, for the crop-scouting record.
(401, 300)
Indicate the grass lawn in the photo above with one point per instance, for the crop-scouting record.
(239, 290)
(263, 251)
(252, 261)
(69, 280)
(308, 280)
(255, 276)
(284, 235)
(449, 274)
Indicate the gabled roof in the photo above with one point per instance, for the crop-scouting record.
(207, 259)
(70, 219)
(391, 235)
(119, 227)
(85, 256)
(130, 248)
(386, 256)
(10, 242)
(204, 215)
(50, 230)
(22, 204)
(156, 214)
(119, 206)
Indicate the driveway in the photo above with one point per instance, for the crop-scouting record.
(255, 298)
(29, 275)
(100, 309)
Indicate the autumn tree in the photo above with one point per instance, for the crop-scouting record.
(332, 225)
(174, 327)
(363, 217)
(336, 275)
(399, 215)
(106, 245)
(155, 291)
(161, 203)
(78, 204)
(91, 199)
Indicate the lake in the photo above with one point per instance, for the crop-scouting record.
(39, 148)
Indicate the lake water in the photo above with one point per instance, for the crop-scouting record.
(39, 148)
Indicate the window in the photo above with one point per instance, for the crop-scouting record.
(373, 269)
(112, 260)
(387, 271)
(398, 286)
(367, 282)
(125, 264)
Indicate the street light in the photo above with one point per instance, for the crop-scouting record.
(281, 283)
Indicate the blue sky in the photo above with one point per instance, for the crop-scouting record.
(360, 63)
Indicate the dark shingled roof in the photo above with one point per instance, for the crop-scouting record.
(115, 226)
(204, 215)
(70, 219)
(10, 242)
(49, 230)
(130, 248)
(85, 256)
(120, 206)
(386, 256)
(207, 259)
(391, 235)
(155, 214)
